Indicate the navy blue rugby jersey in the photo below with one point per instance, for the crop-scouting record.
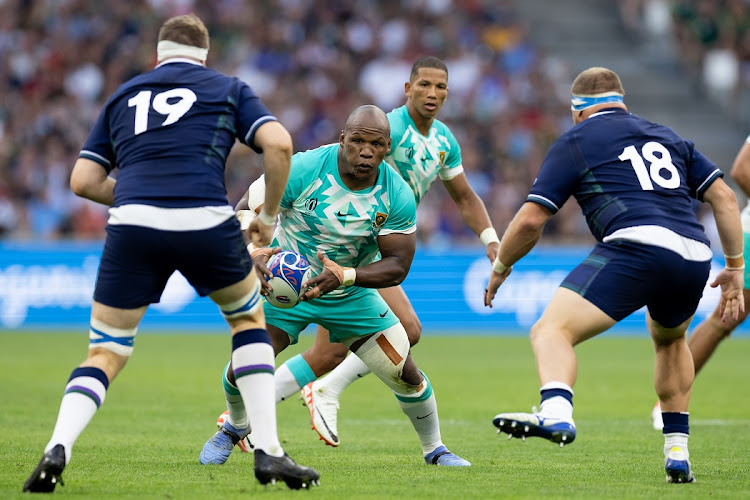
(625, 171)
(169, 132)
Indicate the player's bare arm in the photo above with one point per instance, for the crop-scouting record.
(90, 180)
(473, 212)
(741, 169)
(397, 251)
(731, 279)
(276, 144)
(522, 234)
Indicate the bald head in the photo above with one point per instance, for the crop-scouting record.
(368, 117)
(596, 80)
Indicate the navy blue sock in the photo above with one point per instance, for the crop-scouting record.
(675, 421)
(551, 393)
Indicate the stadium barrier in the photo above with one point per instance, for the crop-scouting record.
(50, 285)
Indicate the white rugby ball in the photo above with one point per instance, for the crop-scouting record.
(289, 270)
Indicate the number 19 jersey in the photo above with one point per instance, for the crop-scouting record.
(169, 132)
(626, 172)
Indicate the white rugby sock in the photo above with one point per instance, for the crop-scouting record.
(252, 363)
(235, 405)
(84, 394)
(421, 408)
(341, 377)
(286, 385)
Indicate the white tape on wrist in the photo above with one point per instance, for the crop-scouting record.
(350, 276)
(498, 266)
(489, 235)
(266, 218)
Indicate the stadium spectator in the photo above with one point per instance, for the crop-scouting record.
(168, 132)
(380, 221)
(297, 56)
(651, 251)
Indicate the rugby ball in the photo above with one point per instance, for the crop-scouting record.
(289, 270)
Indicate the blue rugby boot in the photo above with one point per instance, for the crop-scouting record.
(216, 451)
(441, 456)
(523, 425)
(678, 467)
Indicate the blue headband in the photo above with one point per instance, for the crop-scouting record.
(580, 102)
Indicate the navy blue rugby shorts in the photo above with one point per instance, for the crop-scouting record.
(137, 262)
(620, 278)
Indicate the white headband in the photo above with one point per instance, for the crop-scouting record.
(167, 48)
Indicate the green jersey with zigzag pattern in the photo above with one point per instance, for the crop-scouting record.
(421, 159)
(318, 212)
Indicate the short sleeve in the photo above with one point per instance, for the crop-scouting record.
(98, 146)
(558, 176)
(701, 172)
(451, 165)
(252, 113)
(403, 210)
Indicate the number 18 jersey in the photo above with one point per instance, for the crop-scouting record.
(169, 132)
(626, 172)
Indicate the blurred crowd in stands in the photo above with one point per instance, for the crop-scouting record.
(711, 40)
(311, 61)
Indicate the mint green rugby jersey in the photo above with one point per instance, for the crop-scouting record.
(318, 212)
(421, 159)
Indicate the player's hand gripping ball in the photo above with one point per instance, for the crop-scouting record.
(289, 270)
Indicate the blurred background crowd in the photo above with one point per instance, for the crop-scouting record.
(312, 61)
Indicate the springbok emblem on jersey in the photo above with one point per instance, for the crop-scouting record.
(442, 157)
(380, 218)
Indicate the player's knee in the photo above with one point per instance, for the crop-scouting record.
(539, 333)
(245, 312)
(725, 328)
(105, 337)
(331, 358)
(413, 329)
(386, 353)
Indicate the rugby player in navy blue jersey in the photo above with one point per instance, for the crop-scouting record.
(706, 337)
(635, 182)
(168, 132)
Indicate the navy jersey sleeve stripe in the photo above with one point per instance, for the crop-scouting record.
(707, 183)
(90, 155)
(545, 202)
(254, 127)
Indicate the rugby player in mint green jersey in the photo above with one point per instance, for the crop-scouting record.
(423, 149)
(354, 219)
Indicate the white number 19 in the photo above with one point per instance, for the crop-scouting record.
(174, 111)
(658, 163)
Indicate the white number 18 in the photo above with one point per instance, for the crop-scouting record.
(174, 111)
(658, 163)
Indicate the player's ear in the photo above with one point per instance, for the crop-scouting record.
(407, 88)
(341, 138)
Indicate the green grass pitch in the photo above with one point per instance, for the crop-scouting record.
(145, 440)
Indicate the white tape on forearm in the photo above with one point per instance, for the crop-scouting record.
(245, 217)
(498, 266)
(350, 276)
(489, 235)
(256, 193)
(266, 218)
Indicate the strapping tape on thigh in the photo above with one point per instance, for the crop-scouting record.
(246, 306)
(118, 340)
